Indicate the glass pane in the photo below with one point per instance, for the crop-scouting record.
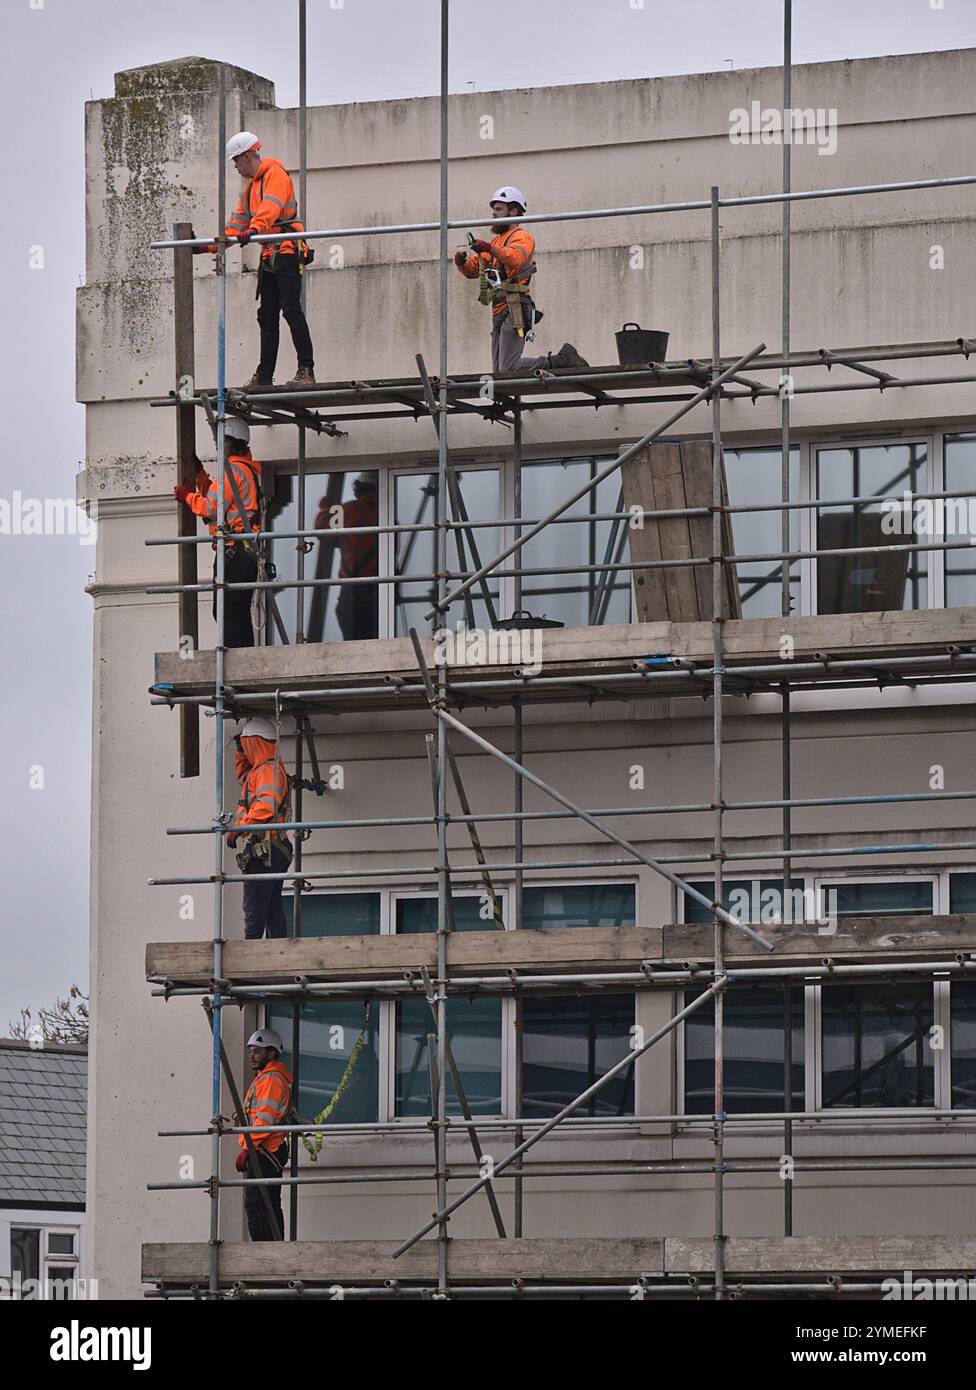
(751, 900)
(416, 552)
(753, 1040)
(878, 899)
(962, 999)
(577, 600)
(60, 1243)
(589, 905)
(474, 1030)
(420, 914)
(329, 1030)
(336, 914)
(333, 614)
(960, 520)
(861, 583)
(567, 1044)
(755, 475)
(60, 1283)
(962, 892)
(875, 1045)
(25, 1252)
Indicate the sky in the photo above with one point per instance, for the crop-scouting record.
(62, 53)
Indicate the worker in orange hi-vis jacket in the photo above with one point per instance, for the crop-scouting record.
(264, 805)
(267, 205)
(505, 266)
(241, 558)
(357, 608)
(267, 1102)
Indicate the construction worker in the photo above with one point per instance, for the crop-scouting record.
(264, 802)
(505, 267)
(267, 204)
(357, 609)
(241, 558)
(268, 1101)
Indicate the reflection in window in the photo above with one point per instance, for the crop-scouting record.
(328, 1033)
(474, 1031)
(755, 475)
(25, 1252)
(336, 914)
(962, 998)
(420, 914)
(576, 600)
(960, 477)
(880, 899)
(567, 1045)
(415, 503)
(868, 583)
(583, 905)
(876, 1049)
(331, 614)
(753, 1038)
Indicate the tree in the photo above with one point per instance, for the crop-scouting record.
(66, 1022)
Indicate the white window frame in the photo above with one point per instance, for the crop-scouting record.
(28, 1221)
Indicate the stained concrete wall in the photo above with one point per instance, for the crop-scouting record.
(861, 275)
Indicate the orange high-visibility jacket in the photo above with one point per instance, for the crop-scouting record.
(247, 473)
(359, 554)
(267, 205)
(264, 783)
(514, 250)
(267, 1102)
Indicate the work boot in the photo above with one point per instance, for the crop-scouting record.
(567, 356)
(304, 377)
(258, 382)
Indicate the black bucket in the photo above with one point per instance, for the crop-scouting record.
(637, 346)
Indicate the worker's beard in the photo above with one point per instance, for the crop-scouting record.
(500, 230)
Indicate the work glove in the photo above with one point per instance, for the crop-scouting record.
(232, 839)
(241, 1163)
(181, 493)
(481, 246)
(243, 238)
(459, 258)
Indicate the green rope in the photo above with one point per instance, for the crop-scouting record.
(313, 1142)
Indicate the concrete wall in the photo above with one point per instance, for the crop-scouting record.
(861, 276)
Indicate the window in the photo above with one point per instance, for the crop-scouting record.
(41, 1254)
(962, 892)
(753, 1038)
(576, 600)
(329, 1030)
(474, 1030)
(420, 914)
(415, 503)
(749, 900)
(334, 614)
(25, 1252)
(861, 583)
(962, 1026)
(960, 478)
(336, 914)
(876, 1049)
(876, 898)
(755, 475)
(582, 905)
(567, 1044)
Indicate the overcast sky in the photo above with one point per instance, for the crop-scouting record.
(64, 52)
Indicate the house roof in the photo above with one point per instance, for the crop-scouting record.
(43, 1097)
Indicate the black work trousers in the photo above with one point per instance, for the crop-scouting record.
(263, 910)
(240, 567)
(258, 1224)
(280, 292)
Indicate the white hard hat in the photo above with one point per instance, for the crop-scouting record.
(508, 194)
(237, 429)
(266, 1037)
(259, 728)
(365, 480)
(240, 143)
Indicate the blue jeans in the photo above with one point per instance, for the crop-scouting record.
(263, 912)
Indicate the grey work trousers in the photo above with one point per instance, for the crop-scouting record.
(506, 348)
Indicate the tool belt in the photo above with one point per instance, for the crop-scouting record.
(515, 295)
(306, 255)
(257, 850)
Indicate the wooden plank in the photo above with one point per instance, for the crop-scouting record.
(582, 650)
(888, 1254)
(881, 938)
(188, 604)
(650, 595)
(345, 1261)
(583, 949)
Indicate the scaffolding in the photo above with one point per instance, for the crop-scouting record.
(739, 953)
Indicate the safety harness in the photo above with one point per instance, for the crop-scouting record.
(305, 253)
(493, 290)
